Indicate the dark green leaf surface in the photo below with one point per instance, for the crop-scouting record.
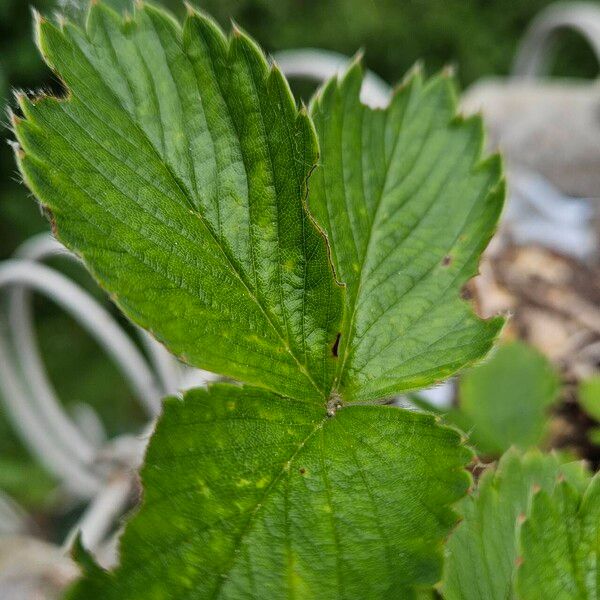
(408, 205)
(251, 495)
(560, 545)
(177, 169)
(482, 553)
(504, 402)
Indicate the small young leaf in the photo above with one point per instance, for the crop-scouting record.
(560, 545)
(408, 205)
(252, 495)
(482, 554)
(177, 167)
(504, 402)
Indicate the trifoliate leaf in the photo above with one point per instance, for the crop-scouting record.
(589, 396)
(560, 545)
(251, 495)
(482, 553)
(176, 167)
(505, 401)
(408, 205)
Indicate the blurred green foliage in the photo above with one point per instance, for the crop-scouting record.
(478, 37)
(505, 401)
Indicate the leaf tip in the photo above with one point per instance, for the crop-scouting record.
(417, 71)
(236, 30)
(303, 110)
(189, 8)
(38, 18)
(13, 118)
(17, 149)
(358, 58)
(448, 71)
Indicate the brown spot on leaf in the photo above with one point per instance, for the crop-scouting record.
(302, 471)
(518, 561)
(466, 293)
(447, 260)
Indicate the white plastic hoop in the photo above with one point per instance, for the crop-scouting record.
(533, 58)
(321, 65)
(30, 399)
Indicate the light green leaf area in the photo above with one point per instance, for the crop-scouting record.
(505, 401)
(589, 396)
(560, 545)
(177, 167)
(482, 553)
(408, 204)
(252, 495)
(594, 436)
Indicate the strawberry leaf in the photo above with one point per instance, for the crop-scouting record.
(408, 205)
(482, 553)
(560, 544)
(252, 495)
(176, 167)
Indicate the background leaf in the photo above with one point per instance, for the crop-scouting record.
(482, 552)
(589, 396)
(249, 494)
(177, 169)
(408, 205)
(560, 545)
(505, 401)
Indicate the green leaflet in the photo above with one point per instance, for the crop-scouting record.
(560, 545)
(482, 553)
(252, 495)
(177, 169)
(408, 205)
(504, 401)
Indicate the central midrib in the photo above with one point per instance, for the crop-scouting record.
(352, 306)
